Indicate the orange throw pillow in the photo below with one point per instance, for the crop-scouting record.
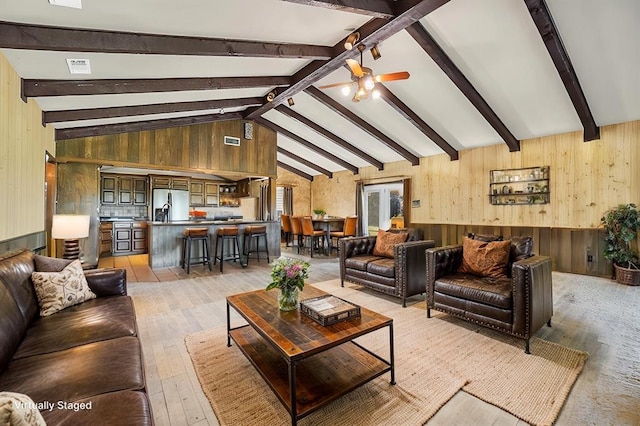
(485, 259)
(386, 240)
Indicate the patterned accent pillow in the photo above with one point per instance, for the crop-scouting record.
(485, 259)
(385, 242)
(59, 290)
(20, 410)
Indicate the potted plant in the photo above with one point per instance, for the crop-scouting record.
(318, 213)
(621, 225)
(288, 277)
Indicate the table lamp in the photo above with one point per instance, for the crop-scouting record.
(70, 228)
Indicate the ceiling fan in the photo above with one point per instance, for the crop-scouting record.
(364, 81)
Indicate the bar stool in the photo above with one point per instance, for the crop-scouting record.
(254, 233)
(227, 233)
(191, 236)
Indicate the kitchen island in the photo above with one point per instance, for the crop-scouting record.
(165, 239)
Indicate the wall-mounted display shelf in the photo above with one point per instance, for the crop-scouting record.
(529, 185)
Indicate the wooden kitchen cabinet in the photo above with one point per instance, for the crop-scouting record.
(170, 182)
(123, 190)
(211, 194)
(121, 238)
(129, 238)
(196, 193)
(203, 193)
(108, 185)
(139, 237)
(105, 237)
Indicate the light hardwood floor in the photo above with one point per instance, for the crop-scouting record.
(590, 314)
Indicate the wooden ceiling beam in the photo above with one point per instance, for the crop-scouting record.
(295, 171)
(329, 135)
(439, 56)
(306, 162)
(414, 119)
(33, 87)
(374, 8)
(354, 119)
(551, 37)
(371, 33)
(37, 37)
(139, 126)
(279, 129)
(133, 110)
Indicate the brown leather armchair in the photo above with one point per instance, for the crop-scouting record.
(519, 304)
(400, 276)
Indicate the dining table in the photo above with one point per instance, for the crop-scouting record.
(328, 224)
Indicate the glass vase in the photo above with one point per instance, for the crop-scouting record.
(288, 299)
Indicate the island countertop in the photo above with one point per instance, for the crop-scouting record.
(165, 238)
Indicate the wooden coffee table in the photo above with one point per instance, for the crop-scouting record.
(306, 364)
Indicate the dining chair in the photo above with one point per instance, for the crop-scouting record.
(296, 231)
(312, 235)
(285, 221)
(348, 230)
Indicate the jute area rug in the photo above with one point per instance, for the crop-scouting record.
(435, 358)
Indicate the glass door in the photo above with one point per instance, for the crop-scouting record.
(381, 203)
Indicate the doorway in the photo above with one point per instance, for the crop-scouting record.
(382, 203)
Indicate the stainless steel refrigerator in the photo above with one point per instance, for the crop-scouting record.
(170, 205)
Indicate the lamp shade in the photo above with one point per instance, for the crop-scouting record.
(70, 226)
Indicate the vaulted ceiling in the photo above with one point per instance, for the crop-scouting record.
(482, 72)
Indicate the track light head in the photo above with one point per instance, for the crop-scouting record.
(351, 40)
(271, 96)
(375, 52)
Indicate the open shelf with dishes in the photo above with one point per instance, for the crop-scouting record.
(528, 185)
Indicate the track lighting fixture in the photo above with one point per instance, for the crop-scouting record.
(271, 96)
(375, 52)
(351, 40)
(291, 102)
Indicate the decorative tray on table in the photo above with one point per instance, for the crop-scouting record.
(328, 309)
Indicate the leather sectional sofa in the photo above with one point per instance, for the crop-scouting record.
(82, 365)
(519, 303)
(402, 275)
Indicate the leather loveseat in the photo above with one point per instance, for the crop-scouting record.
(518, 304)
(400, 275)
(81, 365)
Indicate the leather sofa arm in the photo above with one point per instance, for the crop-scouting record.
(532, 294)
(107, 282)
(443, 261)
(410, 266)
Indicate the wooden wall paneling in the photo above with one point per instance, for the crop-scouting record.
(195, 153)
(133, 147)
(146, 147)
(78, 193)
(182, 140)
(23, 142)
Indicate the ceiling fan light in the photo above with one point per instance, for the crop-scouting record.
(369, 84)
(351, 40)
(346, 90)
(375, 94)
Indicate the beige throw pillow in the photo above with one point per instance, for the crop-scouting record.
(485, 259)
(59, 290)
(385, 242)
(17, 409)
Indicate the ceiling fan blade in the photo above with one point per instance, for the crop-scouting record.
(402, 75)
(328, 86)
(355, 67)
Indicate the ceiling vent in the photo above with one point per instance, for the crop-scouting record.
(79, 66)
(76, 4)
